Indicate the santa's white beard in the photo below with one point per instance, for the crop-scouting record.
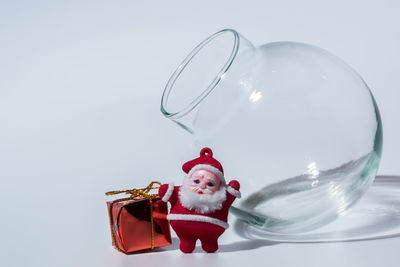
(203, 203)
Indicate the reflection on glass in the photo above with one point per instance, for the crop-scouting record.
(295, 124)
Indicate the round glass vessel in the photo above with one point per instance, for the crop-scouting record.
(293, 123)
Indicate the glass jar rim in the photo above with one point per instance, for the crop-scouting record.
(196, 101)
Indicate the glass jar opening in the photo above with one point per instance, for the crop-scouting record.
(199, 73)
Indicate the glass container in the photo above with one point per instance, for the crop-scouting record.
(293, 123)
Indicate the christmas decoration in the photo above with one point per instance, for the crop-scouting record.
(138, 222)
(200, 206)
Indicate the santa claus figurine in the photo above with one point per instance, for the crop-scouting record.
(200, 206)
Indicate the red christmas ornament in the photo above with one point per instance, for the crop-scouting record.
(200, 206)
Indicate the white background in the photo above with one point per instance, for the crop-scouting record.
(80, 88)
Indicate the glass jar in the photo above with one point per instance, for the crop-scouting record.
(293, 123)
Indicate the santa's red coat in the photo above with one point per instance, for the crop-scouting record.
(190, 225)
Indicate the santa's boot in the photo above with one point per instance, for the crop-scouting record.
(209, 245)
(187, 245)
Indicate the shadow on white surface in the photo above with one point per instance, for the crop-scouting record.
(231, 247)
(245, 245)
(376, 216)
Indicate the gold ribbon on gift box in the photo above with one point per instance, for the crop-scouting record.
(134, 193)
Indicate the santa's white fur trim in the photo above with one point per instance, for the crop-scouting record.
(205, 203)
(208, 168)
(169, 192)
(233, 191)
(197, 218)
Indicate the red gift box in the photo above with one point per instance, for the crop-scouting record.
(139, 221)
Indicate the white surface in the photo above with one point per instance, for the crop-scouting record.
(80, 88)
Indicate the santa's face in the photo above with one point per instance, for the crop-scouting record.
(204, 182)
(202, 192)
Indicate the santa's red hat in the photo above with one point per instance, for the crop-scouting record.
(205, 162)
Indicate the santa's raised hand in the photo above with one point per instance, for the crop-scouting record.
(199, 208)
